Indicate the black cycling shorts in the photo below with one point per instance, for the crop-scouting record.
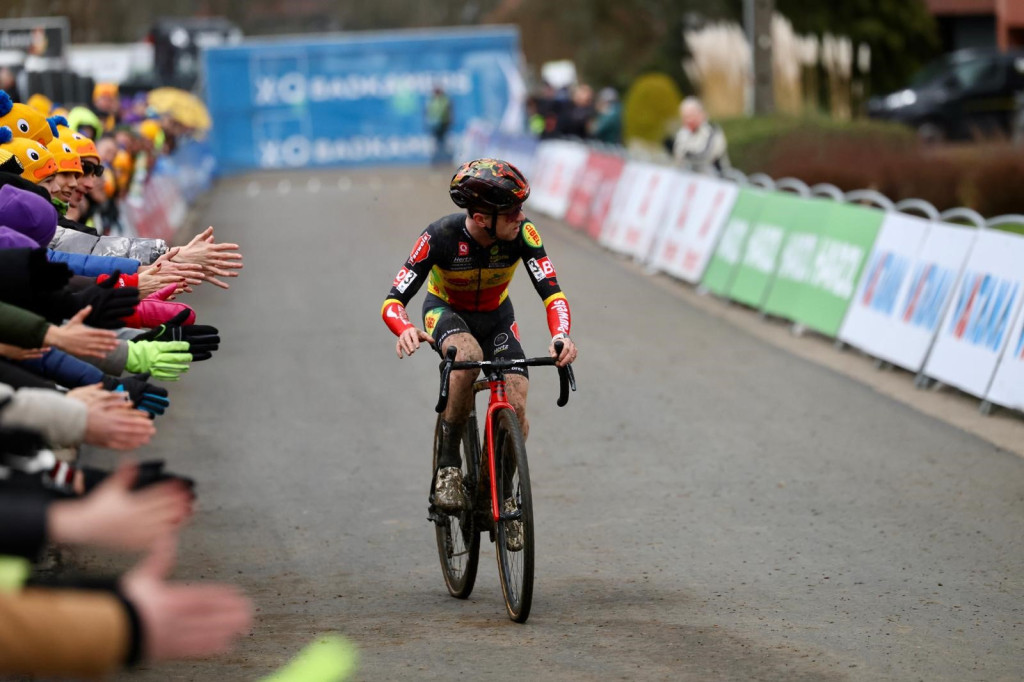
(496, 331)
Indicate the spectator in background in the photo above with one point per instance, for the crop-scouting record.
(534, 119)
(579, 113)
(9, 83)
(106, 104)
(439, 121)
(699, 145)
(606, 126)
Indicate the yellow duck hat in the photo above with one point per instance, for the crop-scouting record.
(24, 121)
(36, 160)
(81, 144)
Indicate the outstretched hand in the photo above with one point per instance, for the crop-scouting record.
(410, 339)
(217, 260)
(181, 620)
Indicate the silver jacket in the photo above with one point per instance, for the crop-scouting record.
(142, 249)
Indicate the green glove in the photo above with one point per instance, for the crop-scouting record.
(163, 359)
(331, 658)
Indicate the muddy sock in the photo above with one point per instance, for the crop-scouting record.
(449, 454)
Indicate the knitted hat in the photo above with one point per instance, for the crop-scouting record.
(150, 129)
(68, 160)
(82, 145)
(104, 90)
(26, 208)
(23, 120)
(10, 239)
(36, 160)
(84, 116)
(40, 103)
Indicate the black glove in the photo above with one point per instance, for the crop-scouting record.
(109, 305)
(202, 338)
(45, 276)
(144, 395)
(150, 472)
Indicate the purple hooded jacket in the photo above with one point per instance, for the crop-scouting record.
(29, 214)
(9, 239)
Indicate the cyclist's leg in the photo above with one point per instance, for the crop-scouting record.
(502, 341)
(450, 329)
(460, 393)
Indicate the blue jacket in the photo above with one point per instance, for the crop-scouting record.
(64, 369)
(93, 266)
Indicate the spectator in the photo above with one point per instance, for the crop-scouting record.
(606, 125)
(699, 145)
(439, 122)
(580, 112)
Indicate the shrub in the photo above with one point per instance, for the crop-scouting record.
(881, 156)
(651, 105)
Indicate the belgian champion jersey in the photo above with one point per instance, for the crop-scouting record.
(473, 278)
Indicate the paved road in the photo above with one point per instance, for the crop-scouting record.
(709, 506)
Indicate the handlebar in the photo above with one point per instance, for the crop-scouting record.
(566, 377)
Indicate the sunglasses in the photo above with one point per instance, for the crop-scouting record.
(89, 168)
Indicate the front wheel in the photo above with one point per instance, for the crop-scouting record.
(515, 543)
(458, 538)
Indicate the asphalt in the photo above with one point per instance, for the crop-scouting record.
(709, 506)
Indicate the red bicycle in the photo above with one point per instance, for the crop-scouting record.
(497, 482)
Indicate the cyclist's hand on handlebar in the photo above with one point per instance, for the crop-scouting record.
(410, 340)
(568, 353)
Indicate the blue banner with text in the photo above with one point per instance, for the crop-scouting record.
(357, 98)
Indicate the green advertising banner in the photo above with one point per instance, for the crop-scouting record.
(818, 296)
(757, 266)
(719, 272)
(796, 258)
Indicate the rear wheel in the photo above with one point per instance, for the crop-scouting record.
(458, 538)
(514, 542)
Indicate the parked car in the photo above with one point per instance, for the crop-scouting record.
(967, 94)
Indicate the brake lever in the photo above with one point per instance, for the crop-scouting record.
(446, 372)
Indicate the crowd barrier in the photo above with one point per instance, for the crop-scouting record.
(937, 298)
(159, 206)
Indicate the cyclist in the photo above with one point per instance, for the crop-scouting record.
(468, 260)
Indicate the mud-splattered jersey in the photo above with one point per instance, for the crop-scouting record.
(473, 278)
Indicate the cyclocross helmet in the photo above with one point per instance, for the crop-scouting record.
(489, 184)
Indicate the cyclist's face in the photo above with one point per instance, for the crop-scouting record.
(507, 228)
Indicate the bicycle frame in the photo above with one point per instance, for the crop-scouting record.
(495, 382)
(496, 401)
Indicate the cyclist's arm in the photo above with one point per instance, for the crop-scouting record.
(408, 281)
(545, 281)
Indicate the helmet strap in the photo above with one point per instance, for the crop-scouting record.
(492, 231)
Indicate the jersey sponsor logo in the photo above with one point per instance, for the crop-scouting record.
(396, 311)
(500, 339)
(420, 251)
(541, 268)
(560, 307)
(430, 320)
(515, 330)
(403, 279)
(530, 235)
(463, 249)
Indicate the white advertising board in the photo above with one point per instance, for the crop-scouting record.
(978, 322)
(558, 165)
(643, 216)
(873, 322)
(694, 219)
(621, 199)
(1007, 387)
